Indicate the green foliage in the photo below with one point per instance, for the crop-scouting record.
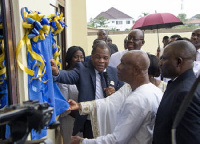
(113, 29)
(98, 22)
(143, 14)
(182, 17)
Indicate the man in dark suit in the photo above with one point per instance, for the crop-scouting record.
(88, 81)
(102, 34)
(177, 63)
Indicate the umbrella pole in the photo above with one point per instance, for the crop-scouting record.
(158, 39)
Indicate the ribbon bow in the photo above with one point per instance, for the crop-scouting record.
(37, 29)
(57, 23)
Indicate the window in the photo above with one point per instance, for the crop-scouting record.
(60, 39)
(119, 22)
(128, 22)
(113, 21)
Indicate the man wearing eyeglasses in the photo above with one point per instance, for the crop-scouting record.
(135, 42)
(195, 39)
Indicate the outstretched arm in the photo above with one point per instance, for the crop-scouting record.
(54, 67)
(73, 105)
(83, 107)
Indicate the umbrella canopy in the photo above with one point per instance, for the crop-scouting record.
(157, 21)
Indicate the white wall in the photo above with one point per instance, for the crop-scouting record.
(121, 27)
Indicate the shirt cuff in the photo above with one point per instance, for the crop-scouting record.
(87, 107)
(55, 78)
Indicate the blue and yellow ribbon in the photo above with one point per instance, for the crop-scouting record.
(57, 23)
(2, 63)
(38, 27)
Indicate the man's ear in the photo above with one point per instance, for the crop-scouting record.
(179, 61)
(143, 42)
(137, 70)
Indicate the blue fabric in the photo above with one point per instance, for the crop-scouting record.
(45, 92)
(4, 102)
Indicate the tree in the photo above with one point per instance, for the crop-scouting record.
(143, 14)
(182, 17)
(101, 22)
(92, 22)
(98, 22)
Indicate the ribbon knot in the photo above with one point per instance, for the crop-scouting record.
(38, 27)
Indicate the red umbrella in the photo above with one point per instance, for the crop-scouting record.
(157, 21)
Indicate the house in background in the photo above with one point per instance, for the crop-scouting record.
(195, 20)
(116, 19)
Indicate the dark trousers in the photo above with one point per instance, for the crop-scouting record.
(87, 130)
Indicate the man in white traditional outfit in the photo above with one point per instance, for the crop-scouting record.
(128, 115)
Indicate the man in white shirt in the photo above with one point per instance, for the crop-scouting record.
(135, 42)
(165, 41)
(126, 117)
(195, 39)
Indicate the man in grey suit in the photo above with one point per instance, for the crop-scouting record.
(87, 77)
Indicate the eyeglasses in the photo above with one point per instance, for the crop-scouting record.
(197, 35)
(134, 39)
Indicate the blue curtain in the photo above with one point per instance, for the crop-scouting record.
(45, 92)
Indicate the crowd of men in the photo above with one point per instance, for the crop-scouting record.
(130, 109)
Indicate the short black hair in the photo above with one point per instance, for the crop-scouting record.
(70, 53)
(101, 44)
(175, 36)
(165, 37)
(96, 41)
(154, 69)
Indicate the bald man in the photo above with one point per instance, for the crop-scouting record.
(177, 64)
(135, 41)
(127, 116)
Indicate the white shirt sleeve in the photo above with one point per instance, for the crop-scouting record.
(130, 118)
(103, 112)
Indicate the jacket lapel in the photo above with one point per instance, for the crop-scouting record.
(92, 74)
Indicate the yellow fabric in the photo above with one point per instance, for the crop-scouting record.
(2, 66)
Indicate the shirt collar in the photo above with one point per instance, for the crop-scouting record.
(98, 71)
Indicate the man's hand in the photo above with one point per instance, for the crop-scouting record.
(75, 139)
(158, 49)
(54, 67)
(73, 105)
(109, 90)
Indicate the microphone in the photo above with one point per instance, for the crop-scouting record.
(105, 74)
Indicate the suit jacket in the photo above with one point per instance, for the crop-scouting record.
(84, 76)
(188, 130)
(113, 48)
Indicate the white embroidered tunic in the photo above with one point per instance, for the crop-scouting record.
(126, 117)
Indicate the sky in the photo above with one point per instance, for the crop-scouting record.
(135, 8)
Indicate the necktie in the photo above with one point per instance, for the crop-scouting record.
(169, 83)
(103, 83)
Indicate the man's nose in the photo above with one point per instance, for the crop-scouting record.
(118, 67)
(101, 60)
(79, 59)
